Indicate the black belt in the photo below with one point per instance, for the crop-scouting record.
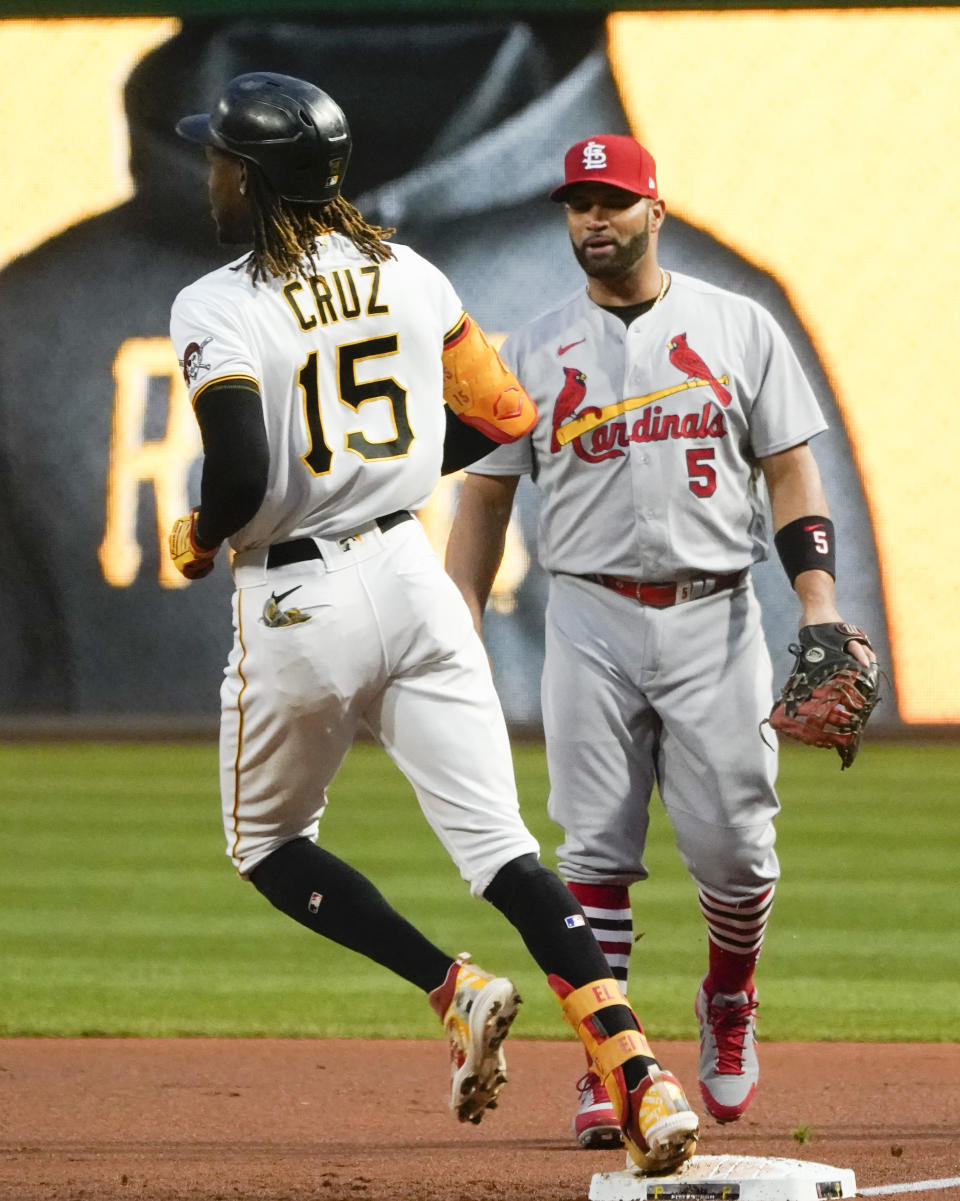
(301, 549)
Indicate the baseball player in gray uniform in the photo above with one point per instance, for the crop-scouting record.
(318, 366)
(665, 405)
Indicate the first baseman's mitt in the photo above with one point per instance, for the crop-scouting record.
(830, 695)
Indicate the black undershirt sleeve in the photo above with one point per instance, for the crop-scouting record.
(462, 444)
(236, 459)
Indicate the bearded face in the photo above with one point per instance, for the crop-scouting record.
(611, 254)
(610, 228)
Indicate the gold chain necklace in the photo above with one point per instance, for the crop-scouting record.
(664, 284)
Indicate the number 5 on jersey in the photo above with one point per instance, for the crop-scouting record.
(354, 393)
(703, 477)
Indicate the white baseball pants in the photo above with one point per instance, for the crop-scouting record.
(390, 646)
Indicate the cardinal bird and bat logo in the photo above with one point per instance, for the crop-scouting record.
(566, 405)
(571, 422)
(686, 359)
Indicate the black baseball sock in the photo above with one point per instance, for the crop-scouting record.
(330, 897)
(546, 914)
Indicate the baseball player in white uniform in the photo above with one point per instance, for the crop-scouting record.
(664, 403)
(318, 366)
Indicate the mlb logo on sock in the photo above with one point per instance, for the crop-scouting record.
(314, 903)
(575, 919)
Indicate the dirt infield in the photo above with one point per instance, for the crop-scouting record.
(288, 1120)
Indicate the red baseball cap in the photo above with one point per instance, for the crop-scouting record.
(612, 159)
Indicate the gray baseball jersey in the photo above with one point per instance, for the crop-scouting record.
(646, 456)
(647, 443)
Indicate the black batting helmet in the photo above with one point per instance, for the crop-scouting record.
(295, 133)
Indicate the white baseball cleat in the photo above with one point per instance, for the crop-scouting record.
(660, 1129)
(477, 1010)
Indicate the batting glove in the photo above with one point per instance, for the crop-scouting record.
(189, 557)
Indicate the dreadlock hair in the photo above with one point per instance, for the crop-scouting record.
(285, 232)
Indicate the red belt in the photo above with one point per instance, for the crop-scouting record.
(662, 596)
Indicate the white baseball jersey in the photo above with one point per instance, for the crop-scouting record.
(648, 437)
(350, 375)
(375, 634)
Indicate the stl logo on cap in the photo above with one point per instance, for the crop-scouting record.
(594, 156)
(615, 159)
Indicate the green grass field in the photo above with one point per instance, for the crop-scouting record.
(120, 915)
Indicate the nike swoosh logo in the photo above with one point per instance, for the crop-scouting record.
(569, 346)
(283, 595)
(818, 526)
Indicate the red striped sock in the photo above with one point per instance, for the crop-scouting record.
(607, 909)
(736, 931)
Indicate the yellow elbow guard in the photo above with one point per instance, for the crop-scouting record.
(481, 389)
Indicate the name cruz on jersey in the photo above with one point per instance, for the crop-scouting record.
(350, 298)
(571, 423)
